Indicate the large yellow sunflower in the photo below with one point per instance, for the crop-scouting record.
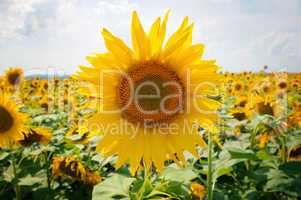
(155, 96)
(11, 122)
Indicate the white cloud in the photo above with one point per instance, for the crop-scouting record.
(63, 32)
(14, 15)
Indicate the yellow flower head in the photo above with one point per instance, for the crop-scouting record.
(295, 153)
(198, 190)
(36, 135)
(11, 122)
(263, 106)
(79, 134)
(70, 168)
(151, 93)
(13, 77)
(263, 140)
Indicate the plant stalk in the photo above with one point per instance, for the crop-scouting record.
(47, 171)
(17, 187)
(283, 149)
(209, 175)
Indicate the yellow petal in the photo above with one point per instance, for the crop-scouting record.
(154, 37)
(140, 40)
(157, 35)
(177, 34)
(117, 47)
(177, 44)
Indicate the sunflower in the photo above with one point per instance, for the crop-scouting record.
(71, 168)
(198, 190)
(266, 108)
(2, 84)
(294, 119)
(151, 93)
(238, 87)
(36, 135)
(241, 101)
(35, 83)
(44, 103)
(295, 153)
(282, 84)
(11, 123)
(241, 110)
(263, 140)
(13, 77)
(79, 134)
(239, 114)
(262, 106)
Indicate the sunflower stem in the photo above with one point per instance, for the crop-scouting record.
(47, 159)
(17, 187)
(145, 182)
(283, 149)
(253, 138)
(209, 175)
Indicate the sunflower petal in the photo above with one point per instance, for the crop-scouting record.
(117, 47)
(140, 41)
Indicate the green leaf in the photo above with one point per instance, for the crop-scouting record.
(174, 173)
(29, 180)
(223, 165)
(3, 155)
(172, 190)
(9, 174)
(141, 188)
(115, 186)
(292, 168)
(263, 155)
(277, 181)
(242, 154)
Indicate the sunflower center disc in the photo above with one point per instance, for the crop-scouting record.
(6, 121)
(151, 94)
(14, 78)
(265, 109)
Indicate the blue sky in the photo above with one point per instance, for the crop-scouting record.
(57, 35)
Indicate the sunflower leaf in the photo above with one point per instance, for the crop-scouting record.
(116, 186)
(175, 173)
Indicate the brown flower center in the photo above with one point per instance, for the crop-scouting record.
(295, 152)
(70, 169)
(14, 78)
(31, 137)
(6, 121)
(242, 103)
(151, 94)
(265, 109)
(239, 116)
(282, 85)
(238, 87)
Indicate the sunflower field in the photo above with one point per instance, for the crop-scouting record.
(150, 121)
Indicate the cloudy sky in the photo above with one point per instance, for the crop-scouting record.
(58, 34)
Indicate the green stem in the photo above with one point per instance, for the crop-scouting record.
(47, 171)
(253, 138)
(145, 181)
(209, 175)
(17, 187)
(283, 149)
